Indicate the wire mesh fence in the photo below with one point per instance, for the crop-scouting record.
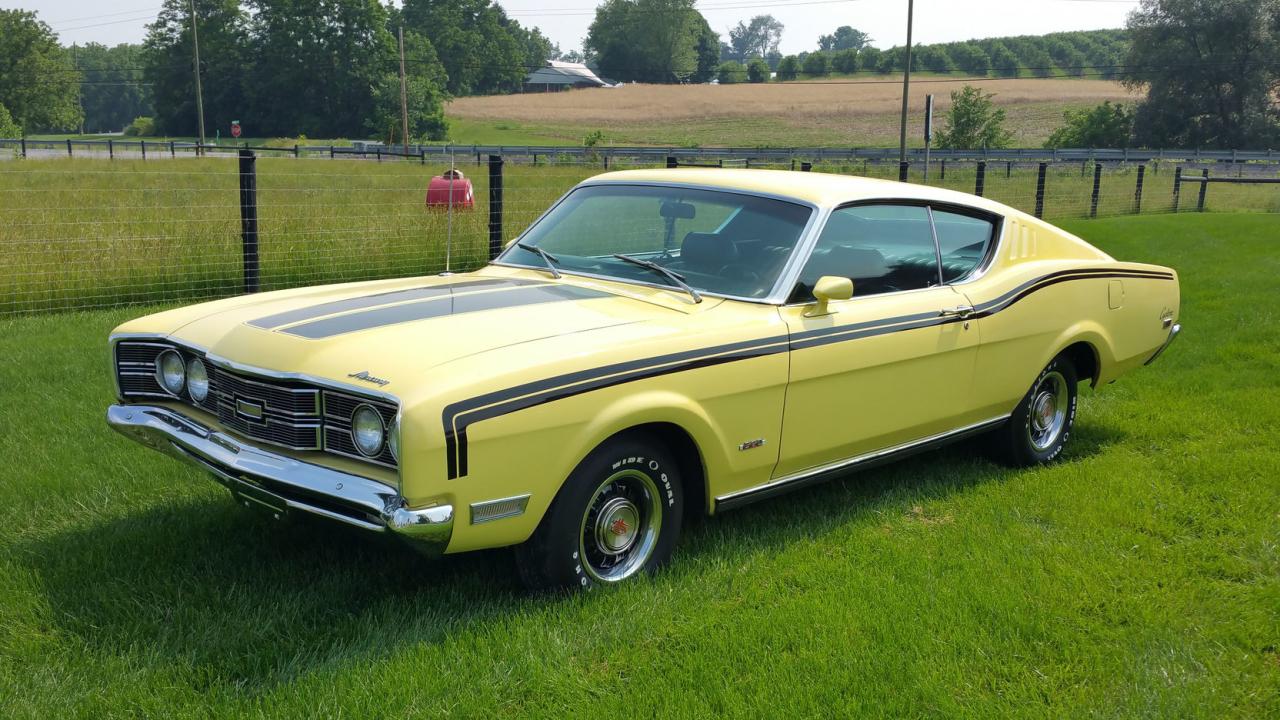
(81, 233)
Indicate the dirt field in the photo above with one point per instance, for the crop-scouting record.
(839, 112)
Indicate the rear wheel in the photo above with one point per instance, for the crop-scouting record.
(1041, 425)
(617, 515)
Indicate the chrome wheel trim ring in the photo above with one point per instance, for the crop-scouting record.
(609, 550)
(1047, 413)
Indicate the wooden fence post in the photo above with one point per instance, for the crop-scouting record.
(495, 205)
(902, 170)
(1097, 186)
(249, 219)
(1137, 191)
(980, 182)
(1040, 178)
(1204, 189)
(1177, 186)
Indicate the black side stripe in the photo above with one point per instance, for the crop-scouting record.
(312, 312)
(458, 416)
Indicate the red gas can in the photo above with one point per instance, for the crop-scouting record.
(438, 191)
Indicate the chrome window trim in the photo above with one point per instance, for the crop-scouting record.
(771, 298)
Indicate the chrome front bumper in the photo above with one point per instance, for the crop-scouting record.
(281, 483)
(1173, 334)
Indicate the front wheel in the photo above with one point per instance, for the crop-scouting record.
(617, 515)
(1041, 425)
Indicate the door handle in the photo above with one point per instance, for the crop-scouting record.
(961, 311)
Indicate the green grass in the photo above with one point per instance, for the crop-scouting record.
(1140, 577)
(81, 233)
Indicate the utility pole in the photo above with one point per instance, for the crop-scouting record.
(195, 44)
(906, 88)
(404, 103)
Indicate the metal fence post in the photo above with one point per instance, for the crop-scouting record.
(295, 150)
(24, 147)
(980, 182)
(942, 170)
(806, 166)
(330, 152)
(1097, 186)
(1137, 191)
(495, 205)
(111, 149)
(1204, 189)
(422, 156)
(671, 161)
(1008, 169)
(173, 149)
(902, 170)
(1177, 186)
(249, 219)
(1040, 177)
(379, 154)
(68, 147)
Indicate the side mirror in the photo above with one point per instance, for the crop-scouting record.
(828, 288)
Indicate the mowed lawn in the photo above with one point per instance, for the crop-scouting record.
(1140, 577)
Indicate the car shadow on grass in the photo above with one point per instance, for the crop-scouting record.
(235, 597)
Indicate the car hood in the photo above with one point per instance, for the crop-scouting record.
(386, 334)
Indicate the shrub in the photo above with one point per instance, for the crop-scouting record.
(788, 68)
(817, 64)
(730, 72)
(1104, 126)
(758, 71)
(845, 61)
(8, 128)
(141, 127)
(973, 122)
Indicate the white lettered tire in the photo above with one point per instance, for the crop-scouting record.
(1041, 425)
(616, 516)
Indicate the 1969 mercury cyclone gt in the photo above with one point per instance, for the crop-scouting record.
(658, 344)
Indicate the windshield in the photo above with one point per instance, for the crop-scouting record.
(718, 242)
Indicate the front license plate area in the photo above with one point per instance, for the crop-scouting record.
(259, 500)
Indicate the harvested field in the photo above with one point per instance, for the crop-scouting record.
(839, 112)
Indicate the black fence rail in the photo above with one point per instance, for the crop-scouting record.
(87, 234)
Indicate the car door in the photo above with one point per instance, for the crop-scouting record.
(892, 364)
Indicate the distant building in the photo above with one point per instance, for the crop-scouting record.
(562, 76)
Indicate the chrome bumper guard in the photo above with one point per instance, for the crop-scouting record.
(1173, 333)
(280, 483)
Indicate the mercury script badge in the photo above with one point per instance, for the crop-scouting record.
(365, 376)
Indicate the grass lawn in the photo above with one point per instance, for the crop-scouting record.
(1138, 577)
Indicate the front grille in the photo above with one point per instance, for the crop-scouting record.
(288, 413)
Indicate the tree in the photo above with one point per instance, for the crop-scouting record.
(646, 40)
(869, 58)
(973, 122)
(844, 38)
(932, 58)
(425, 95)
(970, 58)
(817, 64)
(1211, 71)
(707, 51)
(1003, 62)
(845, 61)
(475, 42)
(758, 71)
(114, 91)
(38, 84)
(1104, 126)
(757, 38)
(167, 55)
(789, 68)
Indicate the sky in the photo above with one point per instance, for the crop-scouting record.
(566, 21)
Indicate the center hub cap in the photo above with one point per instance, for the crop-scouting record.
(617, 526)
(1044, 410)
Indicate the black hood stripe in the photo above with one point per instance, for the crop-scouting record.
(455, 304)
(299, 315)
(459, 415)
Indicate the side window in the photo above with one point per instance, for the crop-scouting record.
(881, 248)
(963, 241)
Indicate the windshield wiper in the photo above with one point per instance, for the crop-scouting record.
(674, 277)
(547, 258)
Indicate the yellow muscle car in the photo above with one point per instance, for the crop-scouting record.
(659, 343)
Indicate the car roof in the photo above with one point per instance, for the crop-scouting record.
(821, 189)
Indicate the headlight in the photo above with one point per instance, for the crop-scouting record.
(170, 371)
(367, 431)
(197, 380)
(393, 439)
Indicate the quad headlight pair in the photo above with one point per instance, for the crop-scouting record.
(175, 375)
(370, 433)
